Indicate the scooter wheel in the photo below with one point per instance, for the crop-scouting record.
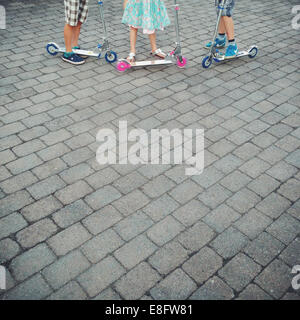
(206, 62)
(52, 49)
(122, 66)
(111, 56)
(253, 52)
(181, 64)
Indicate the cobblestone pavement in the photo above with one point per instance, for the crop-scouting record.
(72, 229)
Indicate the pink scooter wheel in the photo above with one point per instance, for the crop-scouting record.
(122, 66)
(181, 64)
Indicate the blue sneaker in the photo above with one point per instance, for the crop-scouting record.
(219, 43)
(231, 51)
(73, 59)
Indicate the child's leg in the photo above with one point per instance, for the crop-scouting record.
(76, 33)
(158, 53)
(68, 35)
(152, 38)
(228, 27)
(133, 36)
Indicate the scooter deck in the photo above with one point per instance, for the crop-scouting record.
(81, 52)
(239, 55)
(149, 63)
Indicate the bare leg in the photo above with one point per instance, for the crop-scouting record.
(229, 26)
(222, 29)
(152, 38)
(68, 35)
(133, 36)
(76, 34)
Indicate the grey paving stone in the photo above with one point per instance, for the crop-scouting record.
(6, 156)
(291, 254)
(56, 136)
(100, 246)
(71, 213)
(102, 178)
(36, 233)
(176, 286)
(253, 223)
(8, 249)
(253, 292)
(24, 164)
(137, 282)
(282, 171)
(132, 202)
(161, 207)
(185, 191)
(196, 237)
(209, 177)
(135, 251)
(214, 196)
(34, 288)
(191, 212)
(65, 269)
(41, 209)
(221, 218)
(275, 279)
(235, 181)
(100, 276)
(129, 182)
(102, 220)
(14, 202)
(239, 271)
(165, 230)
(229, 243)
(273, 205)
(102, 197)
(285, 228)
(243, 200)
(133, 225)
(71, 291)
(31, 262)
(73, 192)
(4, 173)
(76, 173)
(157, 186)
(68, 239)
(254, 167)
(290, 189)
(203, 265)
(169, 257)
(52, 152)
(264, 248)
(213, 289)
(11, 224)
(46, 187)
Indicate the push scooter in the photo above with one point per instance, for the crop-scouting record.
(110, 56)
(215, 54)
(174, 57)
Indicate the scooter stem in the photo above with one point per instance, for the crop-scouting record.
(221, 8)
(102, 18)
(176, 7)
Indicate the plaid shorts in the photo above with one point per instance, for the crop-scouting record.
(76, 11)
(229, 5)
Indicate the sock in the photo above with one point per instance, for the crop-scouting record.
(221, 36)
(232, 42)
(76, 47)
(68, 54)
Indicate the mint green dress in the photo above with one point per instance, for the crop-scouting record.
(150, 15)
